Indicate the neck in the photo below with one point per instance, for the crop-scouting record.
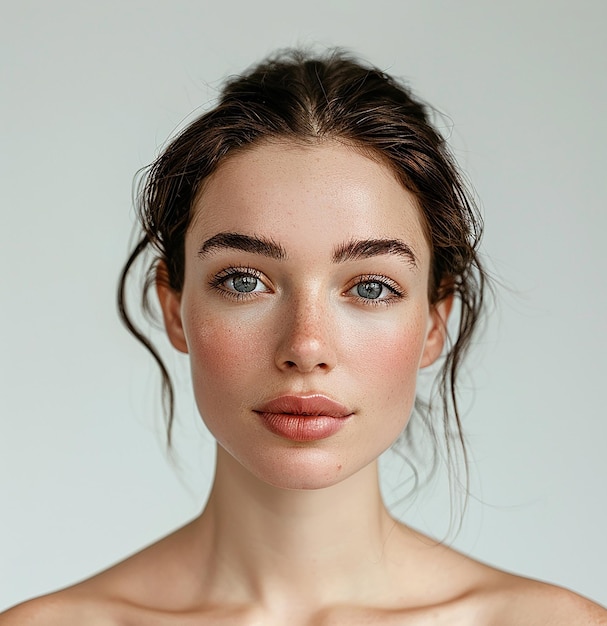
(275, 545)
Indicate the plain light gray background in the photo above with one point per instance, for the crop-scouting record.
(92, 90)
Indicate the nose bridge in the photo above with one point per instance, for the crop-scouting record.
(306, 341)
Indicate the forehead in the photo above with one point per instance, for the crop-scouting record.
(308, 195)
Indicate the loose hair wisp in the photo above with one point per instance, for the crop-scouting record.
(299, 98)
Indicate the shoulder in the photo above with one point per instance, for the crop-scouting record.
(58, 609)
(467, 591)
(115, 596)
(517, 601)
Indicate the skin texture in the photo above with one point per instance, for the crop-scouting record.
(296, 532)
(304, 331)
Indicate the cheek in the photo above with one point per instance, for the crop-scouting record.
(392, 352)
(389, 372)
(223, 354)
(400, 352)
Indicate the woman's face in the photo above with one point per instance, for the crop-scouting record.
(305, 310)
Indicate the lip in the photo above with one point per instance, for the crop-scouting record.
(303, 418)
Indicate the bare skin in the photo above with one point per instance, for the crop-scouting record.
(295, 531)
(184, 580)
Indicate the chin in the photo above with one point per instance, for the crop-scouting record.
(305, 469)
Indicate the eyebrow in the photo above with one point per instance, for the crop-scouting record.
(352, 250)
(246, 243)
(363, 249)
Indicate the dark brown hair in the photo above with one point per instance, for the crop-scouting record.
(297, 97)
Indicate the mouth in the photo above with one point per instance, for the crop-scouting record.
(303, 418)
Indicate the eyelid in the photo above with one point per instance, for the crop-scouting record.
(217, 281)
(235, 270)
(396, 291)
(378, 278)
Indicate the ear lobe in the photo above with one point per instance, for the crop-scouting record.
(437, 331)
(170, 303)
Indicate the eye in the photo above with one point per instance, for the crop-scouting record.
(372, 289)
(238, 282)
(375, 290)
(244, 283)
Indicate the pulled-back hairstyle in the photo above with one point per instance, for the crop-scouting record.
(307, 99)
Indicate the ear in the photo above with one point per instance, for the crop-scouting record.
(170, 303)
(437, 330)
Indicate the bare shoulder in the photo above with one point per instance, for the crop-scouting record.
(471, 592)
(57, 609)
(113, 596)
(523, 601)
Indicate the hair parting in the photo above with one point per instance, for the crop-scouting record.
(297, 97)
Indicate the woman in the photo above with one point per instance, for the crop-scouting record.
(311, 237)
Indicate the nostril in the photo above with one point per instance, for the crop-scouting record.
(295, 365)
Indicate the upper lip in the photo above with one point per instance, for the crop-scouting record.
(306, 405)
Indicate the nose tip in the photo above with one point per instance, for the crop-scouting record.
(304, 358)
(305, 361)
(306, 343)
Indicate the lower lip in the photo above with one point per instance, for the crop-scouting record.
(302, 427)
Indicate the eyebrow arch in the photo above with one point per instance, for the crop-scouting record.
(366, 248)
(246, 243)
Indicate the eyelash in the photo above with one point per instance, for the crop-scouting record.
(396, 293)
(232, 272)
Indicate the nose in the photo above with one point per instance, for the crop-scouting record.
(306, 341)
